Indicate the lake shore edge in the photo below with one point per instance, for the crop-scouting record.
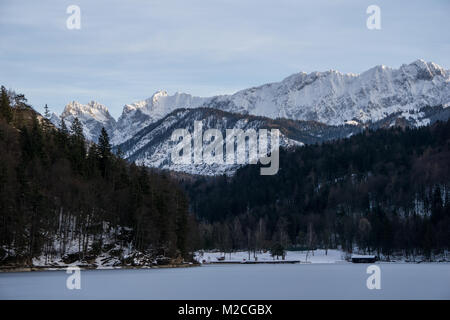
(7, 269)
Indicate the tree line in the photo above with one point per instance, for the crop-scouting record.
(382, 192)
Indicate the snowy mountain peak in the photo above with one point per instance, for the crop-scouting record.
(92, 109)
(138, 115)
(148, 105)
(92, 115)
(158, 94)
(423, 70)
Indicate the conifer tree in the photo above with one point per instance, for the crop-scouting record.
(104, 144)
(46, 112)
(5, 105)
(76, 129)
(62, 136)
(104, 150)
(78, 146)
(20, 102)
(64, 129)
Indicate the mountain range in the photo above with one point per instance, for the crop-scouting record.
(306, 107)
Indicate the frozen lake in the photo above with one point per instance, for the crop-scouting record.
(297, 281)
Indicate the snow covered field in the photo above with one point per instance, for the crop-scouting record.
(316, 256)
(259, 281)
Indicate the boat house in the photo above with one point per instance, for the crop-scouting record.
(357, 258)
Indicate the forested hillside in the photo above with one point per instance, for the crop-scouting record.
(64, 198)
(383, 192)
(61, 196)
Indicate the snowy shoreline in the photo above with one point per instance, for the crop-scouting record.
(202, 257)
(84, 267)
(318, 256)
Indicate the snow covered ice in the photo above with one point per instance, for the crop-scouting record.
(295, 281)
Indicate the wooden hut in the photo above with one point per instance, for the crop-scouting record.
(358, 258)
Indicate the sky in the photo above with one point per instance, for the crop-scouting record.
(127, 50)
